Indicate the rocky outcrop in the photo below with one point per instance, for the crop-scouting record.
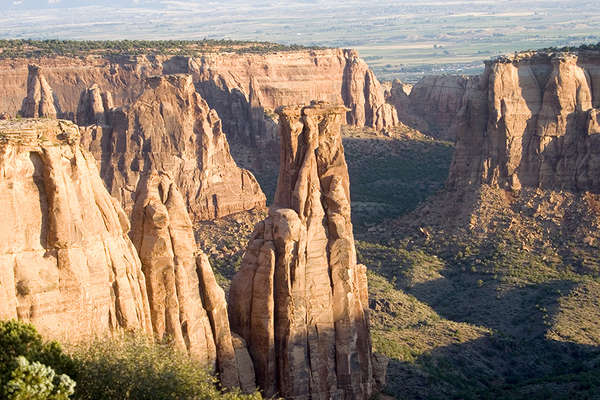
(39, 101)
(244, 88)
(531, 121)
(171, 129)
(186, 303)
(94, 106)
(364, 96)
(431, 105)
(66, 263)
(300, 299)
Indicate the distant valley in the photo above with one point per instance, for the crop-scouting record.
(398, 39)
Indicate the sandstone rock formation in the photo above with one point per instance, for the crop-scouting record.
(39, 101)
(241, 88)
(431, 105)
(299, 299)
(186, 303)
(531, 121)
(171, 129)
(66, 263)
(94, 105)
(365, 97)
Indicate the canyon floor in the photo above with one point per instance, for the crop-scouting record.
(494, 299)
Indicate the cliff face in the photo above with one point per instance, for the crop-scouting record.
(186, 303)
(431, 105)
(171, 129)
(531, 121)
(300, 298)
(240, 87)
(67, 264)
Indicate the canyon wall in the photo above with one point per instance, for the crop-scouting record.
(531, 120)
(431, 105)
(243, 88)
(300, 299)
(67, 265)
(171, 129)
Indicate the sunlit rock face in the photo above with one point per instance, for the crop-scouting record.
(66, 262)
(186, 303)
(300, 299)
(531, 121)
(168, 128)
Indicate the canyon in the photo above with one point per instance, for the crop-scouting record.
(155, 148)
(241, 88)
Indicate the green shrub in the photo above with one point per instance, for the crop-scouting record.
(21, 339)
(131, 367)
(36, 381)
(125, 367)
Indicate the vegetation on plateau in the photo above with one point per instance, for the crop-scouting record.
(126, 367)
(28, 48)
(572, 49)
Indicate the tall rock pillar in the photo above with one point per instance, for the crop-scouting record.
(300, 298)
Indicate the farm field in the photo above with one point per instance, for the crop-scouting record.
(399, 39)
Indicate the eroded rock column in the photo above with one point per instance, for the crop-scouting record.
(300, 298)
(186, 303)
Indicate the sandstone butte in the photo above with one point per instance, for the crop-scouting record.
(168, 128)
(531, 120)
(70, 268)
(243, 89)
(300, 298)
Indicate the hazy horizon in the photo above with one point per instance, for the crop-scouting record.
(393, 36)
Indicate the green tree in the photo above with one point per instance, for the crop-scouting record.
(21, 339)
(36, 381)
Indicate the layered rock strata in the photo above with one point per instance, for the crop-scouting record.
(242, 88)
(300, 299)
(70, 268)
(186, 303)
(531, 120)
(171, 129)
(66, 263)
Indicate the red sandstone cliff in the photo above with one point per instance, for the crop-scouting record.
(171, 129)
(431, 105)
(68, 266)
(531, 121)
(239, 87)
(66, 262)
